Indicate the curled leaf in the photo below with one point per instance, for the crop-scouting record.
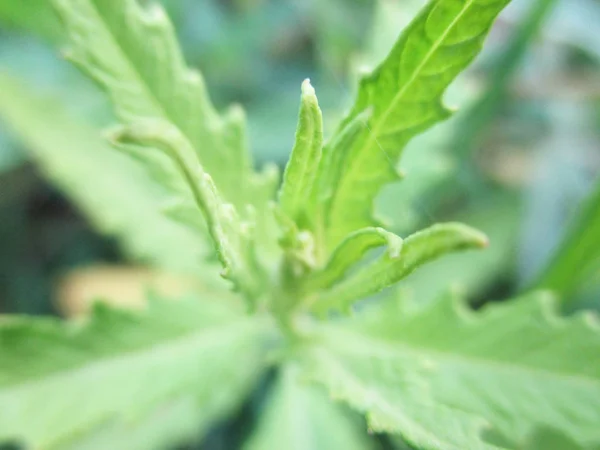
(418, 249)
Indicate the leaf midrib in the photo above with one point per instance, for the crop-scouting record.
(142, 80)
(385, 406)
(368, 343)
(373, 133)
(152, 350)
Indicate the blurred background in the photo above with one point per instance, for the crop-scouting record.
(520, 159)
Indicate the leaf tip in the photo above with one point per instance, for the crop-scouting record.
(471, 237)
(307, 89)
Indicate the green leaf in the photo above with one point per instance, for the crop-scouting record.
(386, 384)
(112, 192)
(578, 256)
(300, 172)
(350, 251)
(392, 266)
(232, 237)
(60, 381)
(405, 94)
(329, 171)
(131, 51)
(298, 416)
(31, 15)
(516, 364)
(176, 422)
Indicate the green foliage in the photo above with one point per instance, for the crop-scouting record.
(577, 260)
(500, 364)
(299, 416)
(437, 374)
(300, 172)
(33, 15)
(404, 94)
(121, 204)
(126, 366)
(395, 264)
(133, 54)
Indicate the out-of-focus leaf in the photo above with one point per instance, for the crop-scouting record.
(179, 421)
(60, 381)
(578, 257)
(35, 16)
(504, 66)
(298, 416)
(113, 193)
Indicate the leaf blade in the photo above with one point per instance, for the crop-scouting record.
(300, 172)
(120, 205)
(350, 251)
(234, 244)
(417, 249)
(384, 384)
(132, 52)
(405, 92)
(300, 417)
(172, 351)
(578, 256)
(516, 364)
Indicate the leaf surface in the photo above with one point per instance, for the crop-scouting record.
(352, 250)
(299, 416)
(60, 381)
(300, 173)
(33, 16)
(386, 385)
(132, 52)
(397, 263)
(517, 365)
(232, 237)
(405, 94)
(111, 191)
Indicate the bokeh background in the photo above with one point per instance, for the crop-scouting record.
(520, 159)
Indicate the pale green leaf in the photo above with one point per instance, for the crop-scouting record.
(301, 170)
(112, 192)
(392, 266)
(516, 364)
(386, 384)
(60, 381)
(405, 94)
(233, 238)
(131, 51)
(174, 422)
(298, 416)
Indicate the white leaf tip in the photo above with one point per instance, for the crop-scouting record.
(307, 88)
